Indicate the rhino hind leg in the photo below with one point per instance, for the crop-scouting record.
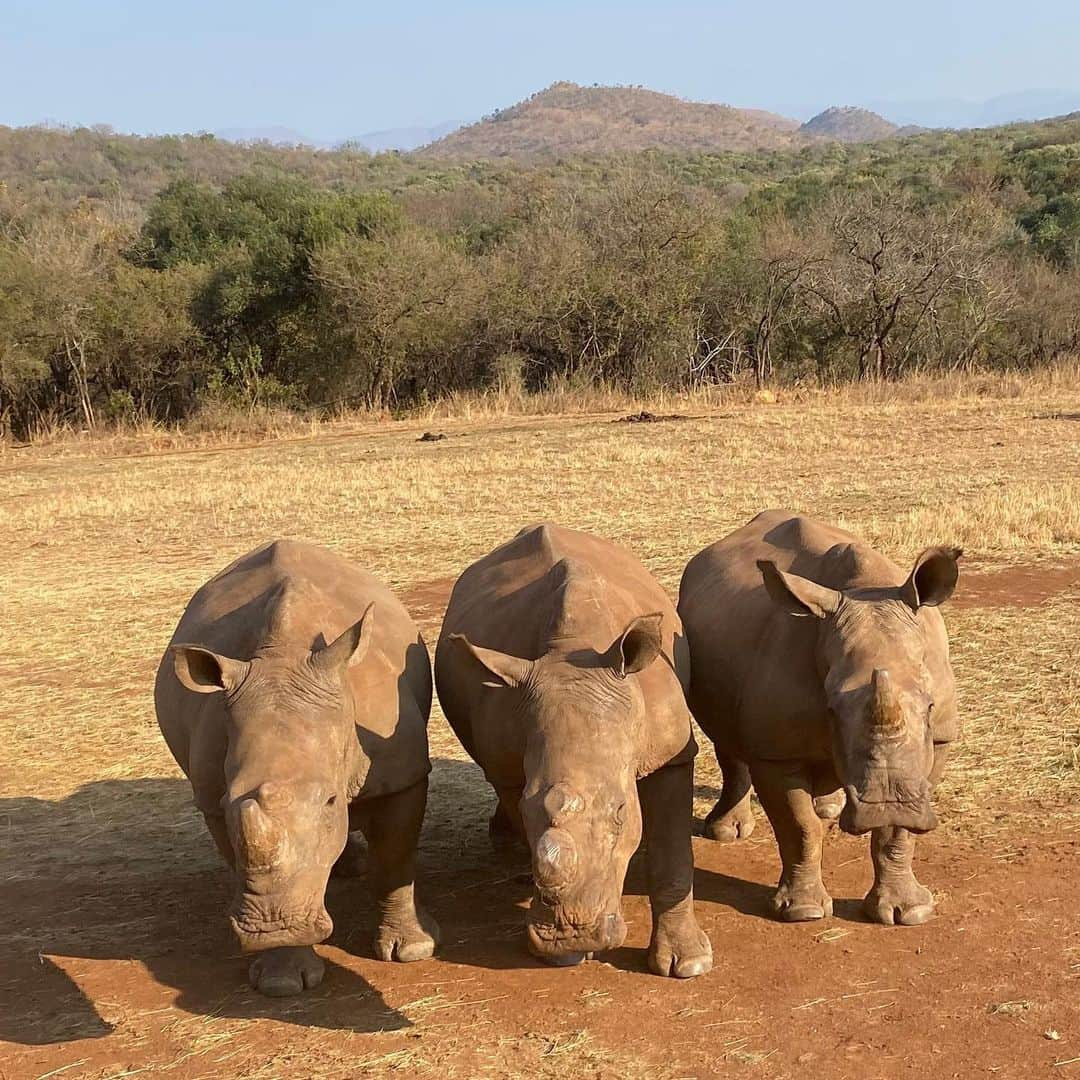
(786, 794)
(896, 898)
(287, 971)
(505, 828)
(391, 823)
(352, 862)
(732, 818)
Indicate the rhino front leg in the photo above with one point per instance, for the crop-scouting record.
(785, 791)
(392, 827)
(732, 817)
(896, 898)
(679, 946)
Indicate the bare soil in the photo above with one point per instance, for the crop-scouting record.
(113, 967)
(991, 586)
(112, 973)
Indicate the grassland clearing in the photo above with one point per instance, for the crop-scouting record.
(116, 960)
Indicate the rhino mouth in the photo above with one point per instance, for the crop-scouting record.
(259, 927)
(558, 938)
(861, 815)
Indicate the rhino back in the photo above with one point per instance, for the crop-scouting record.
(233, 614)
(548, 582)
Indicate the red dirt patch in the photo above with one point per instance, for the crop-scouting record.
(117, 971)
(428, 599)
(1014, 586)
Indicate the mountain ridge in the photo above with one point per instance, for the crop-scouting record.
(566, 118)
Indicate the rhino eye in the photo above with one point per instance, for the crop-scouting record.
(620, 816)
(331, 801)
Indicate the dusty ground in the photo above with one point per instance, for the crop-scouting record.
(114, 960)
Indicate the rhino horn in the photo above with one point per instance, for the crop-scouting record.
(886, 719)
(554, 858)
(262, 840)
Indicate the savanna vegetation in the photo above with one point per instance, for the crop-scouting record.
(158, 278)
(117, 956)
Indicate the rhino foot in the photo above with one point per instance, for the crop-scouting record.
(681, 950)
(407, 937)
(286, 971)
(828, 807)
(899, 903)
(736, 824)
(801, 903)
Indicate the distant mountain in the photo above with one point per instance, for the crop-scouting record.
(570, 119)
(404, 139)
(1026, 105)
(1004, 109)
(276, 136)
(848, 123)
(374, 142)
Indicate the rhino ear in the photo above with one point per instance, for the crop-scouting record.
(932, 578)
(798, 595)
(508, 670)
(639, 645)
(204, 672)
(349, 647)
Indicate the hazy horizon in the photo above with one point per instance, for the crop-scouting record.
(329, 71)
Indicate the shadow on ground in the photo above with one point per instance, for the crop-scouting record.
(129, 875)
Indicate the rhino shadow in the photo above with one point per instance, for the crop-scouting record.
(131, 875)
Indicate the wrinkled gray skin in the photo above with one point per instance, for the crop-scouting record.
(295, 695)
(821, 673)
(561, 667)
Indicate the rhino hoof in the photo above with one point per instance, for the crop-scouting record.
(802, 913)
(287, 971)
(408, 943)
(727, 831)
(897, 915)
(806, 905)
(904, 903)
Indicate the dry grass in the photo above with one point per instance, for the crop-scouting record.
(103, 543)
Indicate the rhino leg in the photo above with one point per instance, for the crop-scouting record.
(287, 971)
(732, 817)
(829, 795)
(786, 793)
(505, 826)
(218, 830)
(391, 824)
(896, 898)
(353, 860)
(679, 946)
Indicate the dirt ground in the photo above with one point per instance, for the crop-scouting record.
(115, 959)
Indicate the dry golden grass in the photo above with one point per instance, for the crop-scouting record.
(102, 543)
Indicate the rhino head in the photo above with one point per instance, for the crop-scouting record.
(292, 751)
(582, 713)
(884, 672)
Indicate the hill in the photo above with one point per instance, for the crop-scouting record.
(848, 123)
(567, 119)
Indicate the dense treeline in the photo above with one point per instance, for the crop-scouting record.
(321, 279)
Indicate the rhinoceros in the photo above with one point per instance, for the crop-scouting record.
(295, 696)
(561, 667)
(820, 671)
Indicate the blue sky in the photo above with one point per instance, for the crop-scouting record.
(330, 68)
